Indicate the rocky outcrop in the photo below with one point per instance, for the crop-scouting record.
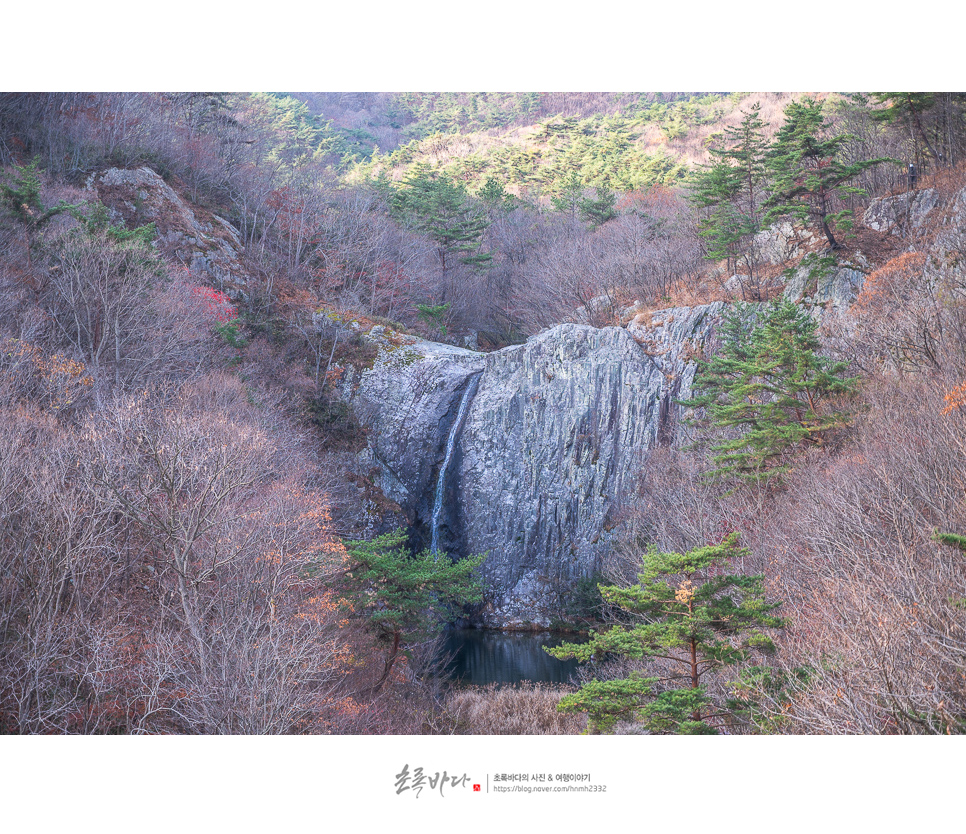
(557, 433)
(826, 286)
(950, 239)
(901, 212)
(407, 401)
(783, 242)
(925, 221)
(203, 242)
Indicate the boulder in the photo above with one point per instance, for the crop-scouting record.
(783, 242)
(897, 214)
(203, 242)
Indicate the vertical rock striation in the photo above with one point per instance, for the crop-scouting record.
(407, 403)
(555, 436)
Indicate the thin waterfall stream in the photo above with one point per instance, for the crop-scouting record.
(454, 433)
(485, 657)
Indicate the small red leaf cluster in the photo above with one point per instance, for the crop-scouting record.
(217, 305)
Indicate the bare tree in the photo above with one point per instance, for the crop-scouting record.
(98, 298)
(56, 570)
(247, 637)
(877, 626)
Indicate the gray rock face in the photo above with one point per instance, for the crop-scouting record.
(408, 400)
(557, 433)
(782, 242)
(903, 211)
(951, 237)
(832, 289)
(203, 242)
(559, 430)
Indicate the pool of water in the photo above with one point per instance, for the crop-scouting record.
(481, 656)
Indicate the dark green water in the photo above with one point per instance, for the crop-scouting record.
(481, 657)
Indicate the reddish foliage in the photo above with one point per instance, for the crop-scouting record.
(217, 305)
(956, 398)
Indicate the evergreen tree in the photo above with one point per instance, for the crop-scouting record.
(909, 108)
(403, 597)
(731, 192)
(746, 154)
(807, 178)
(598, 210)
(769, 382)
(714, 189)
(434, 316)
(570, 194)
(527, 104)
(439, 207)
(20, 196)
(495, 197)
(696, 620)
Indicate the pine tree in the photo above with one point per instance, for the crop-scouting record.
(495, 198)
(769, 383)
(599, 209)
(569, 195)
(731, 191)
(714, 191)
(907, 107)
(404, 598)
(20, 197)
(808, 179)
(439, 207)
(695, 621)
(527, 104)
(434, 316)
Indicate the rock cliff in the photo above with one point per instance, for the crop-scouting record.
(407, 401)
(557, 433)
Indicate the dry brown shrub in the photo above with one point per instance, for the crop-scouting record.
(875, 603)
(908, 318)
(876, 247)
(886, 285)
(529, 709)
(948, 182)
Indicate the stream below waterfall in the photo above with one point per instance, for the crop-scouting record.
(481, 656)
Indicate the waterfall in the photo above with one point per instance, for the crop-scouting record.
(454, 432)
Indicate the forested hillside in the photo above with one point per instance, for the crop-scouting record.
(194, 537)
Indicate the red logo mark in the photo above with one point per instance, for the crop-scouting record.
(476, 787)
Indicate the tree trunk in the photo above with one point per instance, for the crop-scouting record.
(390, 662)
(922, 133)
(696, 715)
(828, 234)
